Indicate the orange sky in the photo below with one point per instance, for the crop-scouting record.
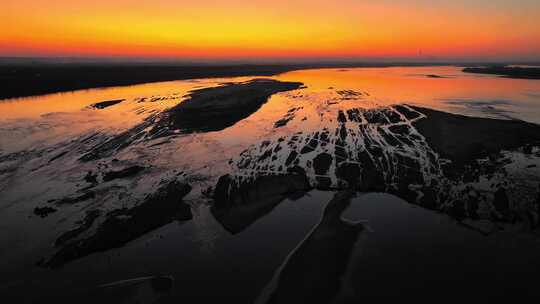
(236, 29)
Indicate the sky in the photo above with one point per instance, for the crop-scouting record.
(252, 29)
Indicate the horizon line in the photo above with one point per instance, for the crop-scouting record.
(264, 60)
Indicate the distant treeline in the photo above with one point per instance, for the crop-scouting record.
(28, 80)
(21, 78)
(511, 72)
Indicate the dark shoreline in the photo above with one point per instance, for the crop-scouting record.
(30, 78)
(508, 72)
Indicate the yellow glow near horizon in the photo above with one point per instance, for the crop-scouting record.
(279, 28)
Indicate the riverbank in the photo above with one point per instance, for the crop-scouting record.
(509, 72)
(22, 78)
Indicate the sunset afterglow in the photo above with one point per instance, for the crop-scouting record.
(272, 29)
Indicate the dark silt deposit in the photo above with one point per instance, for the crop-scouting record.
(105, 104)
(288, 117)
(462, 139)
(78, 198)
(123, 225)
(214, 109)
(124, 173)
(84, 225)
(44, 211)
(205, 110)
(237, 208)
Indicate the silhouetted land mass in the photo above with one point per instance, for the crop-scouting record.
(105, 104)
(214, 109)
(124, 225)
(462, 139)
(510, 72)
(26, 80)
(26, 77)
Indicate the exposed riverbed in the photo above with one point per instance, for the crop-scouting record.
(211, 181)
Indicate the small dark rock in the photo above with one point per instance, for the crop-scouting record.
(537, 202)
(91, 178)
(324, 183)
(349, 172)
(44, 211)
(321, 163)
(429, 200)
(501, 201)
(292, 156)
(341, 117)
(106, 104)
(85, 224)
(162, 284)
(407, 112)
(59, 155)
(283, 122)
(124, 173)
(73, 200)
(457, 210)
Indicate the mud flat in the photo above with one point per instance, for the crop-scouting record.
(205, 110)
(471, 168)
(123, 225)
(214, 109)
(463, 139)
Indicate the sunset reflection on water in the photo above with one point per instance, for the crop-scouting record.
(57, 117)
(444, 88)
